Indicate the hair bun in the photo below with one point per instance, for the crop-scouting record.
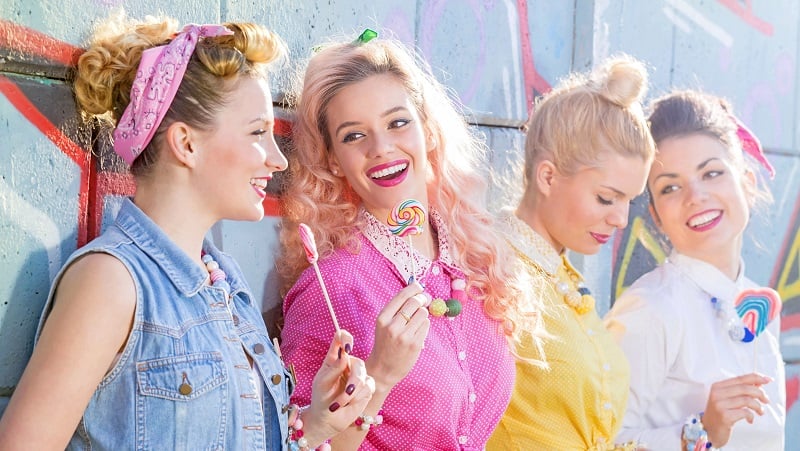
(621, 80)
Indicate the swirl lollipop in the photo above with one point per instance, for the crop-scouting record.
(310, 246)
(407, 219)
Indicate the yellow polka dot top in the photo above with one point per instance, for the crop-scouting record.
(579, 402)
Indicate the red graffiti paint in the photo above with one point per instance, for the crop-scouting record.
(745, 11)
(283, 128)
(79, 156)
(534, 82)
(789, 322)
(32, 42)
(792, 386)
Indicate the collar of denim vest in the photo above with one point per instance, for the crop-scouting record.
(183, 271)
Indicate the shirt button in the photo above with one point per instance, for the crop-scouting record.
(607, 406)
(590, 332)
(235, 320)
(276, 379)
(607, 367)
(435, 270)
(463, 439)
(258, 348)
(472, 397)
(462, 355)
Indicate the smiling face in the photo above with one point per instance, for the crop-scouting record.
(581, 211)
(240, 155)
(699, 198)
(378, 143)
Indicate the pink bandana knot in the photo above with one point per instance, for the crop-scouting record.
(160, 72)
(752, 146)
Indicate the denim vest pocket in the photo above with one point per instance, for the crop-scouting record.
(178, 394)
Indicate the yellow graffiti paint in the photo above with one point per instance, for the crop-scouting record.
(639, 235)
(789, 289)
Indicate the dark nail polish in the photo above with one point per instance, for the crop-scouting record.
(348, 348)
(410, 280)
(340, 353)
(334, 407)
(350, 389)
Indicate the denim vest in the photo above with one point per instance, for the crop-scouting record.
(183, 380)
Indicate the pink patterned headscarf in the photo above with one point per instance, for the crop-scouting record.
(157, 79)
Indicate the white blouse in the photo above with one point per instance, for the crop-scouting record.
(678, 346)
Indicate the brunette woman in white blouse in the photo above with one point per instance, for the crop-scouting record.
(677, 324)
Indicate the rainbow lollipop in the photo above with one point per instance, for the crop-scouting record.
(310, 246)
(757, 307)
(407, 219)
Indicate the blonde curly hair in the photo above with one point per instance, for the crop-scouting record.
(107, 69)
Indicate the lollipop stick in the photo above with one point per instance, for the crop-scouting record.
(755, 355)
(413, 263)
(327, 298)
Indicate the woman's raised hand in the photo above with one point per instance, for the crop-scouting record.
(339, 393)
(732, 400)
(400, 332)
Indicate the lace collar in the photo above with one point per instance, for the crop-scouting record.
(397, 250)
(529, 243)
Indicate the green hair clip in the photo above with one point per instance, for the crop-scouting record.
(366, 36)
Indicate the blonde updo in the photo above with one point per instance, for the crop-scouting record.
(588, 114)
(107, 69)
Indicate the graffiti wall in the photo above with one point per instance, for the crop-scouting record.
(59, 184)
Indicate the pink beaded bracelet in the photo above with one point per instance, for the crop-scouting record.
(365, 422)
(297, 440)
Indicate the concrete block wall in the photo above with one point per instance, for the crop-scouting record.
(496, 55)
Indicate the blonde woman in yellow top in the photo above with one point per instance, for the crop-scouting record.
(587, 155)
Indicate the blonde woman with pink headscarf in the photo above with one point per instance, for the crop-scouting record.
(151, 337)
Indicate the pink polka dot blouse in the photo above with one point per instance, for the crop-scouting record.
(461, 384)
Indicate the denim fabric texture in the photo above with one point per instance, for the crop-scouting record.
(183, 380)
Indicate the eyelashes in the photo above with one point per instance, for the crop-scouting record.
(603, 201)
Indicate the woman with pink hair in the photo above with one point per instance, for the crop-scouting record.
(373, 129)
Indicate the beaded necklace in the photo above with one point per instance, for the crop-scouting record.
(733, 323)
(535, 251)
(217, 275)
(723, 309)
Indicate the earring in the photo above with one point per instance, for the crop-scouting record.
(335, 172)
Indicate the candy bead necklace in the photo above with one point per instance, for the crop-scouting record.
(572, 287)
(732, 323)
(216, 274)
